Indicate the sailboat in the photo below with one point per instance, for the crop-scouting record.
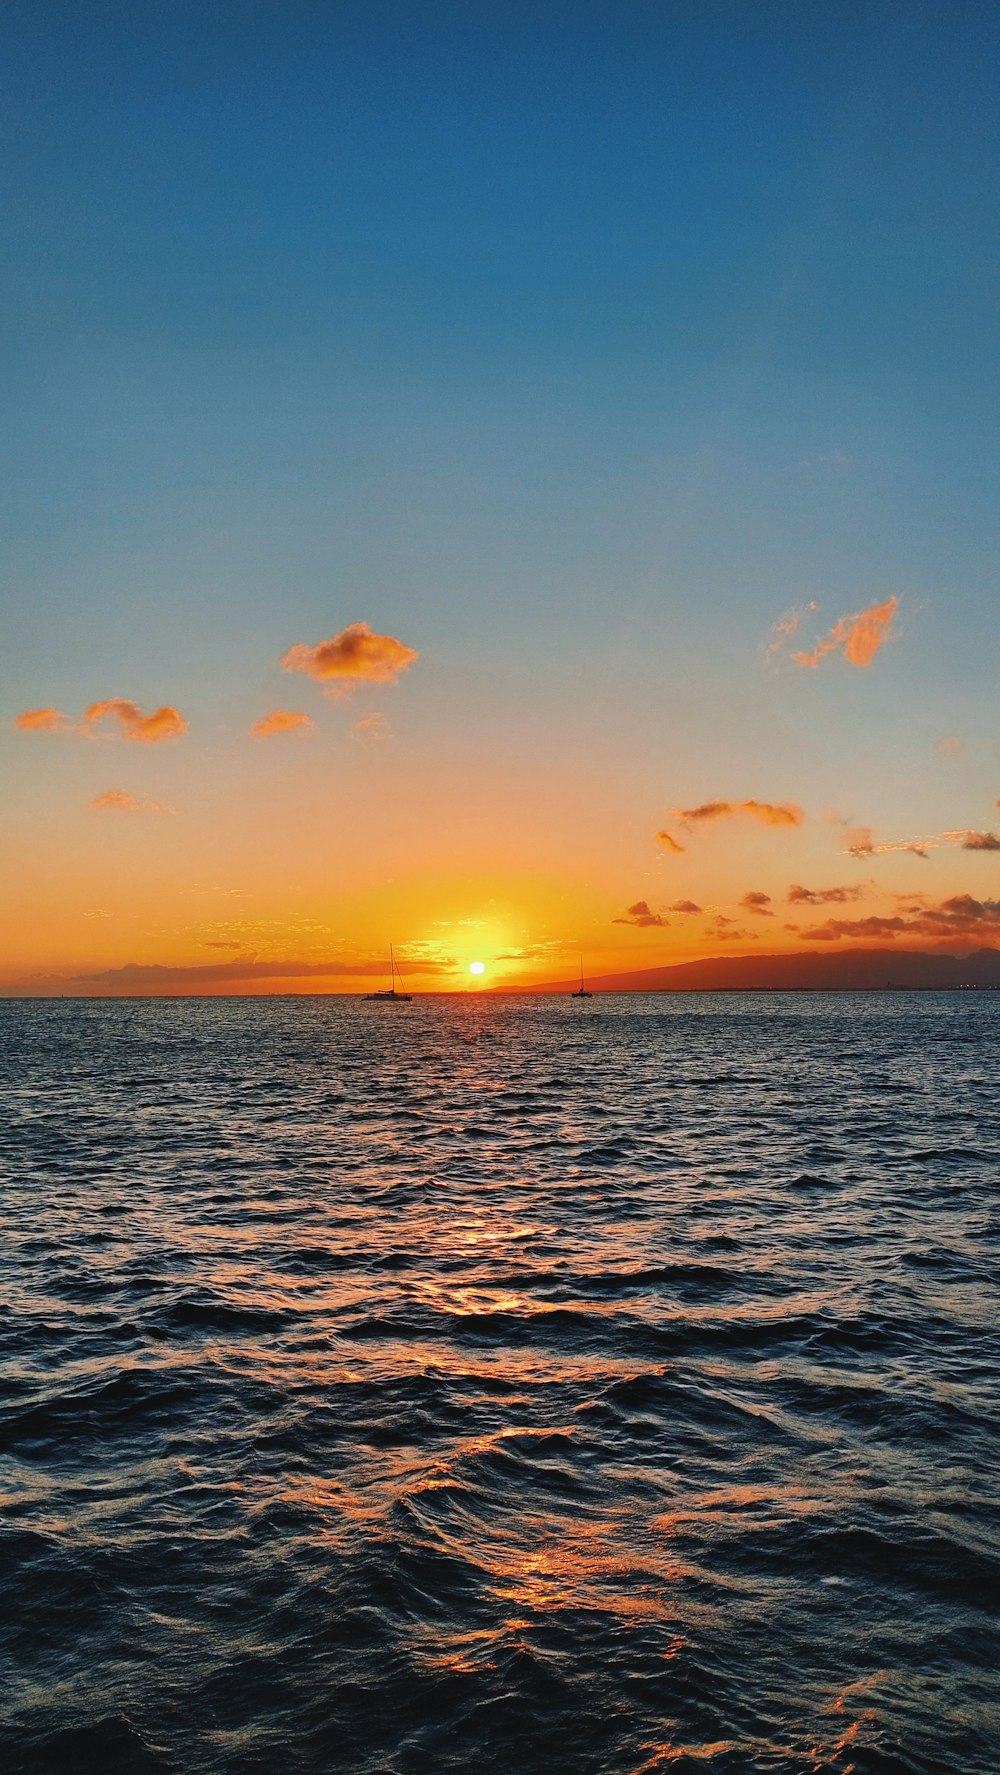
(581, 991)
(397, 997)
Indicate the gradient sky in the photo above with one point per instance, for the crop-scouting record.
(571, 346)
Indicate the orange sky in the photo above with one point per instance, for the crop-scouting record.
(151, 851)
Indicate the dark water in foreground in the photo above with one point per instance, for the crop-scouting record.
(501, 1385)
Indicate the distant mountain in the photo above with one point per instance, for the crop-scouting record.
(846, 970)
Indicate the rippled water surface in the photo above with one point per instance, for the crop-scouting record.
(481, 1384)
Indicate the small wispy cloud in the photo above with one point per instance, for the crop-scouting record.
(951, 746)
(356, 655)
(371, 730)
(669, 843)
(803, 896)
(642, 916)
(785, 627)
(685, 906)
(770, 813)
(757, 903)
(978, 841)
(861, 843)
(166, 723)
(278, 721)
(41, 721)
(120, 801)
(857, 638)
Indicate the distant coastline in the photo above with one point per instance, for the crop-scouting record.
(849, 970)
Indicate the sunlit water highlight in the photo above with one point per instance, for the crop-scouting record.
(479, 1384)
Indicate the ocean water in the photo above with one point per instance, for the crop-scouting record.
(492, 1384)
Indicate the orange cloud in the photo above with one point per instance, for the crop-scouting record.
(758, 904)
(356, 654)
(40, 721)
(803, 896)
(785, 813)
(836, 928)
(166, 723)
(785, 628)
(861, 843)
(951, 746)
(642, 915)
(670, 843)
(281, 721)
(371, 730)
(980, 841)
(685, 906)
(126, 803)
(957, 919)
(857, 637)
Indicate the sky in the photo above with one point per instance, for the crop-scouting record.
(515, 481)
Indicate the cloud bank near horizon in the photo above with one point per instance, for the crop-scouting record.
(166, 974)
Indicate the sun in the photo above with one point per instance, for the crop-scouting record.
(477, 967)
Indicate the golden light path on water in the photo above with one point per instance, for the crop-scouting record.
(521, 1385)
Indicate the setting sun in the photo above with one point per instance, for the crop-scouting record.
(477, 967)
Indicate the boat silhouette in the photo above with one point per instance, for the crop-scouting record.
(581, 990)
(399, 998)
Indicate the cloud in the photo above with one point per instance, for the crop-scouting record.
(281, 721)
(121, 801)
(836, 928)
(951, 746)
(770, 813)
(957, 919)
(163, 976)
(861, 843)
(219, 943)
(371, 730)
(858, 637)
(758, 904)
(670, 843)
(642, 915)
(785, 628)
(726, 930)
(803, 896)
(166, 723)
(356, 654)
(41, 721)
(685, 906)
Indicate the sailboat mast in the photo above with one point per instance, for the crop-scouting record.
(392, 970)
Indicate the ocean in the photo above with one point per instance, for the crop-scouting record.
(520, 1384)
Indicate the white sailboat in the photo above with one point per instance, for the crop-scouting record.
(391, 993)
